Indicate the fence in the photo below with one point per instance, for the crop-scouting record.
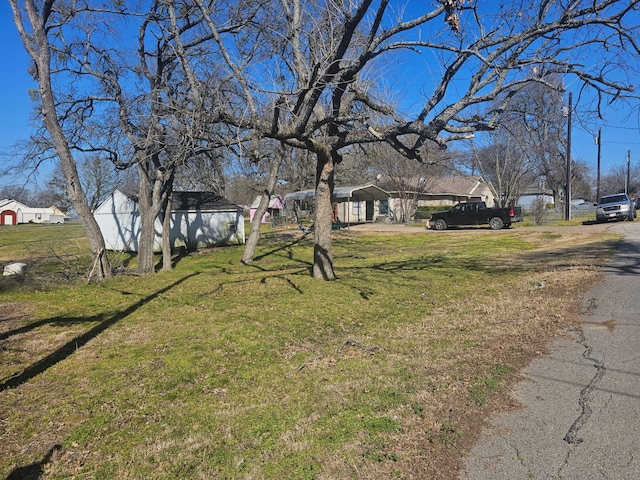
(550, 216)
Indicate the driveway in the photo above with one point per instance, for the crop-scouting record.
(400, 228)
(580, 415)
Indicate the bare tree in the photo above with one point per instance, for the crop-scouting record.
(137, 99)
(206, 171)
(529, 146)
(34, 22)
(307, 74)
(254, 233)
(504, 162)
(615, 180)
(312, 85)
(407, 179)
(536, 120)
(582, 181)
(19, 193)
(98, 177)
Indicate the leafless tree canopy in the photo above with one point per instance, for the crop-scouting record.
(166, 81)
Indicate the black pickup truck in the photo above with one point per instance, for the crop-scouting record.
(476, 213)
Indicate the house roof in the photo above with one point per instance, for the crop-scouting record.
(8, 203)
(536, 190)
(353, 193)
(458, 185)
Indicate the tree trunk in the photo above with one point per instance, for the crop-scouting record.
(148, 215)
(150, 207)
(42, 58)
(322, 257)
(155, 185)
(254, 232)
(166, 236)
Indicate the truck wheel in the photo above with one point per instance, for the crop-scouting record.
(440, 224)
(496, 223)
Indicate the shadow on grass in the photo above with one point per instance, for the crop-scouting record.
(285, 246)
(35, 470)
(80, 341)
(59, 322)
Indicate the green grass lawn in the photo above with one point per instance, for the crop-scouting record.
(220, 370)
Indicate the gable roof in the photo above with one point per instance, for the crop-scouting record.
(460, 185)
(275, 201)
(8, 203)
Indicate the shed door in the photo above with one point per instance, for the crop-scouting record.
(8, 217)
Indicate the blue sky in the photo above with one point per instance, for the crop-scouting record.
(620, 128)
(15, 105)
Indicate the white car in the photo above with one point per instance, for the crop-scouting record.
(615, 207)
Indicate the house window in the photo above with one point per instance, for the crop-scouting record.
(384, 207)
(356, 209)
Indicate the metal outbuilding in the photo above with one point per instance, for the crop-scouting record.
(351, 204)
(198, 219)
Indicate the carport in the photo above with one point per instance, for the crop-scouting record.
(344, 198)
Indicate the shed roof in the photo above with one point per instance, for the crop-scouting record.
(275, 201)
(186, 201)
(180, 201)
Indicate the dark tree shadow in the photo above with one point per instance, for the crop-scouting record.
(35, 470)
(284, 246)
(46, 321)
(80, 341)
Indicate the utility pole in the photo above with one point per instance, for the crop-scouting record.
(567, 196)
(626, 184)
(599, 142)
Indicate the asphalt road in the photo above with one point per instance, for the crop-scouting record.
(581, 403)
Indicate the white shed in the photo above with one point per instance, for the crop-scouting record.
(198, 219)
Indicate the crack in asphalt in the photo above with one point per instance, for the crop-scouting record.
(572, 437)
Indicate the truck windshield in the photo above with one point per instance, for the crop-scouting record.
(614, 199)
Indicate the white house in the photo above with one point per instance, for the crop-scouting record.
(198, 219)
(533, 193)
(13, 213)
(435, 192)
